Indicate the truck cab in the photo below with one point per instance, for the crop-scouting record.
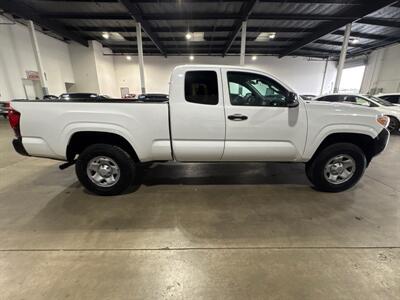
(234, 114)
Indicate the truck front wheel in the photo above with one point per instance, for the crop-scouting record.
(337, 167)
(105, 169)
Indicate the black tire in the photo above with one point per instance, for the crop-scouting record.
(315, 169)
(394, 125)
(308, 172)
(121, 158)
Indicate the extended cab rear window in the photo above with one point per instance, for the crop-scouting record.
(201, 87)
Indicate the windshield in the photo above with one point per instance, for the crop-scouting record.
(380, 101)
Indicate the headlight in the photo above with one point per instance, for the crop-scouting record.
(383, 120)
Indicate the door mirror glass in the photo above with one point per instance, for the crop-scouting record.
(292, 100)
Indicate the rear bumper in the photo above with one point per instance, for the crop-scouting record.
(380, 142)
(19, 147)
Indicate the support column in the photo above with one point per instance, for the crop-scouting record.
(342, 58)
(140, 56)
(324, 76)
(38, 57)
(243, 43)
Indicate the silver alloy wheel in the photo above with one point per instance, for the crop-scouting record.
(103, 171)
(339, 169)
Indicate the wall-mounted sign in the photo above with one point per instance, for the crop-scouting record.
(32, 75)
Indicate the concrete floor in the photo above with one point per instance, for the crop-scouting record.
(206, 231)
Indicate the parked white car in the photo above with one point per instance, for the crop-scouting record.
(391, 97)
(214, 114)
(383, 106)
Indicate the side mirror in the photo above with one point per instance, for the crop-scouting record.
(293, 100)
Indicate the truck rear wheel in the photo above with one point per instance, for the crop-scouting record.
(105, 169)
(336, 168)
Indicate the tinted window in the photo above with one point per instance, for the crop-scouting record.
(201, 87)
(330, 98)
(392, 98)
(380, 101)
(357, 100)
(249, 89)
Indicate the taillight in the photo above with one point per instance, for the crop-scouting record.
(14, 118)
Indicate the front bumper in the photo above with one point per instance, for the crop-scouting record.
(380, 142)
(19, 147)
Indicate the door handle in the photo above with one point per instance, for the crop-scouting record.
(237, 117)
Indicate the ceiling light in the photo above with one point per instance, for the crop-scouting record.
(188, 35)
(105, 35)
(191, 57)
(254, 57)
(265, 36)
(129, 57)
(354, 41)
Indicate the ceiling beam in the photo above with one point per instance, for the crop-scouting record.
(183, 29)
(27, 12)
(340, 2)
(372, 46)
(87, 16)
(236, 48)
(369, 36)
(380, 22)
(338, 44)
(245, 12)
(220, 16)
(357, 12)
(322, 50)
(219, 40)
(136, 13)
(195, 16)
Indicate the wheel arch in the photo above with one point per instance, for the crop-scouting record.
(363, 141)
(82, 139)
(394, 117)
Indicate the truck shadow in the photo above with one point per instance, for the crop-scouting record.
(200, 214)
(223, 173)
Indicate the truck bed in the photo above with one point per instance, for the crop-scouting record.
(48, 125)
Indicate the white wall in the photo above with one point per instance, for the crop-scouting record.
(301, 74)
(16, 57)
(382, 71)
(84, 68)
(105, 71)
(94, 72)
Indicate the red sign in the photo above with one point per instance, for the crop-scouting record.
(32, 75)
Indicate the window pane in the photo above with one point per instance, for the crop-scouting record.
(332, 98)
(201, 87)
(392, 99)
(363, 102)
(255, 90)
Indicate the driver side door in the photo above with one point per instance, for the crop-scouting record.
(260, 126)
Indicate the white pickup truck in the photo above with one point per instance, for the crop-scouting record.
(214, 114)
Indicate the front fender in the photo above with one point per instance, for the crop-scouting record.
(314, 142)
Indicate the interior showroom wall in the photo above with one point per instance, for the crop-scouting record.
(302, 74)
(17, 57)
(382, 71)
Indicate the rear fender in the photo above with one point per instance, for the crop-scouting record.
(73, 128)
